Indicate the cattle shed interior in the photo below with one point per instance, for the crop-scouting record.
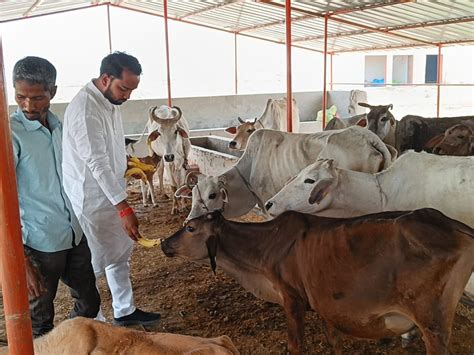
(327, 27)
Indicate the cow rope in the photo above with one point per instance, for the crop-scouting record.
(259, 201)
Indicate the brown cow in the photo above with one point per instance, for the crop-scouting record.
(370, 277)
(82, 336)
(457, 140)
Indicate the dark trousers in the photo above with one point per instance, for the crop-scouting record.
(73, 267)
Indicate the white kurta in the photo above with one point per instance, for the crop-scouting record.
(94, 163)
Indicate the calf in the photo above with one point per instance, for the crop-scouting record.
(370, 277)
(457, 140)
(146, 179)
(83, 336)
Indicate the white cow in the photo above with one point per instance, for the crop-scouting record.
(172, 143)
(274, 117)
(414, 181)
(272, 157)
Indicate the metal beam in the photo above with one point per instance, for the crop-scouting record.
(438, 80)
(167, 47)
(289, 89)
(32, 7)
(325, 89)
(109, 28)
(355, 24)
(386, 48)
(389, 29)
(209, 8)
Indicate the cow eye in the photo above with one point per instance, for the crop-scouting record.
(212, 196)
(309, 181)
(189, 229)
(250, 130)
(461, 137)
(384, 119)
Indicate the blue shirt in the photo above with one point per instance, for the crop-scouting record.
(47, 221)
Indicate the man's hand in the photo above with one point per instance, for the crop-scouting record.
(129, 221)
(33, 280)
(130, 225)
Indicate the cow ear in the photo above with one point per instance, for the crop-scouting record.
(183, 133)
(363, 104)
(225, 199)
(231, 130)
(184, 191)
(362, 122)
(320, 190)
(211, 245)
(153, 136)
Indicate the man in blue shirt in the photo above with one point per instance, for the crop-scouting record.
(55, 246)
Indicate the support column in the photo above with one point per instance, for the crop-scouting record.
(439, 79)
(326, 17)
(109, 28)
(12, 258)
(168, 75)
(289, 96)
(236, 77)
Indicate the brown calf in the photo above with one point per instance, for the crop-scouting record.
(370, 277)
(457, 140)
(82, 336)
(147, 185)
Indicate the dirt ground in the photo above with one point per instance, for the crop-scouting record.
(193, 301)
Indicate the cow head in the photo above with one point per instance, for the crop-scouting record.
(379, 119)
(164, 123)
(209, 193)
(197, 240)
(457, 140)
(241, 133)
(308, 192)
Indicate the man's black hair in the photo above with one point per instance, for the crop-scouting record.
(115, 63)
(35, 70)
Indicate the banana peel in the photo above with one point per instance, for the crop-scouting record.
(134, 162)
(148, 243)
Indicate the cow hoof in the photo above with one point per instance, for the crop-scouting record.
(155, 205)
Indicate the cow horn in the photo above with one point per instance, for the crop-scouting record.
(180, 113)
(241, 120)
(390, 107)
(255, 120)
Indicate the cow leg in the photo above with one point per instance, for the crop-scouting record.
(160, 171)
(144, 193)
(334, 338)
(294, 310)
(149, 178)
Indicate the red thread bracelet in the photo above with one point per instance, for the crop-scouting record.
(125, 212)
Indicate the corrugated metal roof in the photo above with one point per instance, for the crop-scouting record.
(352, 26)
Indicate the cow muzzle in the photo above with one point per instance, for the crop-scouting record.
(233, 145)
(169, 158)
(166, 249)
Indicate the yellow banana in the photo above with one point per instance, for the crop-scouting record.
(134, 162)
(135, 172)
(149, 243)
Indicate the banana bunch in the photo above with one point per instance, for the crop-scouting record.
(148, 243)
(134, 162)
(137, 173)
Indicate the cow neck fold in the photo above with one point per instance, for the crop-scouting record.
(253, 247)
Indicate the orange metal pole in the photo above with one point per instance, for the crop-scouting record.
(109, 28)
(289, 96)
(438, 80)
(12, 258)
(325, 69)
(236, 72)
(168, 75)
(330, 72)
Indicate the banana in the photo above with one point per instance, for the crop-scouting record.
(134, 162)
(148, 243)
(135, 172)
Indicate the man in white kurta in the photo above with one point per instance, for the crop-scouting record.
(94, 163)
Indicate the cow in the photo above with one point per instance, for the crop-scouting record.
(413, 132)
(83, 336)
(272, 157)
(274, 117)
(370, 277)
(415, 180)
(173, 144)
(376, 114)
(148, 166)
(458, 140)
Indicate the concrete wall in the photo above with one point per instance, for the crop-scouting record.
(222, 111)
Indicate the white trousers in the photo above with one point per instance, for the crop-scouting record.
(118, 279)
